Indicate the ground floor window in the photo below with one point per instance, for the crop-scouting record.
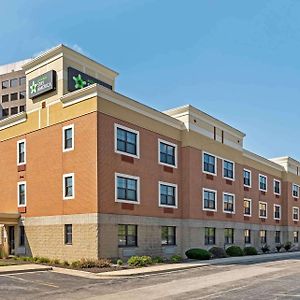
(210, 236)
(168, 235)
(247, 236)
(127, 235)
(229, 236)
(22, 236)
(263, 236)
(68, 234)
(296, 236)
(277, 237)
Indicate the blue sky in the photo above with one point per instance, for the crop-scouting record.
(236, 60)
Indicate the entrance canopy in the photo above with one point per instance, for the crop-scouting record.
(9, 218)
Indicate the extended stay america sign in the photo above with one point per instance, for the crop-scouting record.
(42, 84)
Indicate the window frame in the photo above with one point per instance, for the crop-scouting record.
(22, 236)
(277, 205)
(214, 236)
(261, 175)
(18, 154)
(176, 194)
(126, 236)
(233, 169)
(216, 200)
(25, 192)
(265, 237)
(247, 170)
(276, 241)
(64, 186)
(229, 212)
(279, 181)
(249, 236)
(64, 129)
(168, 243)
(175, 150)
(263, 217)
(298, 187)
(297, 236)
(250, 200)
(137, 189)
(232, 237)
(297, 208)
(215, 163)
(116, 126)
(66, 235)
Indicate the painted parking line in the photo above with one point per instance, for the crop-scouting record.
(40, 282)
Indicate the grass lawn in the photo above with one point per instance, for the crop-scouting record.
(9, 262)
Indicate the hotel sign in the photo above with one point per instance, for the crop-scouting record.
(78, 80)
(42, 84)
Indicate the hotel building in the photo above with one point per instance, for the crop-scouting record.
(88, 172)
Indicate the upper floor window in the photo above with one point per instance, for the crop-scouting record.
(228, 203)
(263, 210)
(21, 193)
(22, 80)
(295, 213)
(5, 84)
(22, 95)
(247, 207)
(209, 164)
(228, 169)
(247, 178)
(167, 153)
(68, 186)
(277, 187)
(13, 96)
(262, 183)
(14, 82)
(127, 188)
(167, 194)
(126, 141)
(21, 152)
(277, 211)
(168, 235)
(295, 190)
(5, 98)
(127, 235)
(68, 138)
(209, 200)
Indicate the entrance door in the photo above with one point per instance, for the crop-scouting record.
(11, 240)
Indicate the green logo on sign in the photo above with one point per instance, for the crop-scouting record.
(79, 82)
(33, 87)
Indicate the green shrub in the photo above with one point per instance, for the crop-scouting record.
(250, 251)
(265, 248)
(175, 258)
(43, 260)
(119, 262)
(86, 263)
(279, 247)
(65, 263)
(157, 260)
(287, 246)
(217, 252)
(75, 264)
(197, 253)
(234, 251)
(55, 261)
(139, 261)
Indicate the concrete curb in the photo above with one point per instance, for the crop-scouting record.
(13, 269)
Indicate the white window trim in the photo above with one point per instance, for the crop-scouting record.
(261, 175)
(228, 178)
(137, 141)
(18, 156)
(176, 194)
(277, 205)
(216, 164)
(250, 200)
(261, 217)
(295, 207)
(294, 184)
(63, 138)
(216, 199)
(18, 193)
(276, 180)
(229, 212)
(170, 144)
(116, 188)
(249, 186)
(64, 186)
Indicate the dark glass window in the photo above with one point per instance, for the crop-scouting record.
(22, 108)
(247, 207)
(13, 96)
(247, 236)
(5, 98)
(295, 190)
(262, 182)
(228, 169)
(167, 154)
(21, 152)
(209, 163)
(168, 235)
(263, 210)
(14, 110)
(295, 213)
(277, 186)
(228, 203)
(277, 212)
(126, 141)
(127, 235)
(209, 199)
(68, 186)
(68, 234)
(22, 95)
(22, 194)
(247, 178)
(295, 236)
(210, 236)
(127, 189)
(5, 84)
(228, 235)
(167, 195)
(263, 236)
(277, 237)
(22, 80)
(68, 138)
(14, 82)
(5, 112)
(22, 236)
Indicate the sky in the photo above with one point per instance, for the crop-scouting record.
(236, 60)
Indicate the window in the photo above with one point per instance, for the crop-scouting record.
(263, 210)
(277, 187)
(277, 237)
(296, 236)
(127, 235)
(126, 141)
(209, 200)
(228, 203)
(22, 108)
(167, 153)
(247, 207)
(295, 214)
(13, 96)
(5, 112)
(127, 188)
(277, 212)
(168, 235)
(14, 82)
(5, 84)
(22, 95)
(68, 138)
(21, 152)
(263, 236)
(295, 190)
(210, 236)
(167, 194)
(21, 236)
(21, 194)
(228, 236)
(5, 98)
(68, 234)
(22, 80)
(228, 169)
(68, 186)
(14, 110)
(247, 178)
(209, 164)
(263, 183)
(247, 236)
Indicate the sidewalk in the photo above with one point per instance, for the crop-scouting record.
(23, 268)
